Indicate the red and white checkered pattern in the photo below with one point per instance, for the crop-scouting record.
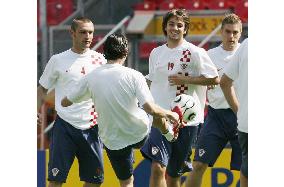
(96, 60)
(94, 114)
(181, 88)
(186, 56)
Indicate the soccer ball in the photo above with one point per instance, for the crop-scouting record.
(187, 105)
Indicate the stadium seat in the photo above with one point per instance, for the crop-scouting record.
(168, 5)
(232, 3)
(182, 1)
(218, 4)
(147, 5)
(145, 49)
(58, 10)
(155, 1)
(192, 4)
(241, 9)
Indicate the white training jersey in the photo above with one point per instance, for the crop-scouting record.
(220, 58)
(237, 70)
(61, 73)
(186, 59)
(116, 90)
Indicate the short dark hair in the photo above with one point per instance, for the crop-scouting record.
(231, 19)
(116, 47)
(180, 13)
(75, 22)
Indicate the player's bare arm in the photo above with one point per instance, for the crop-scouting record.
(162, 119)
(200, 80)
(41, 96)
(229, 92)
(157, 111)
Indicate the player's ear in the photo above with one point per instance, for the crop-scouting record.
(186, 28)
(71, 32)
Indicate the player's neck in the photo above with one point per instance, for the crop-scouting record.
(79, 51)
(228, 48)
(174, 43)
(117, 61)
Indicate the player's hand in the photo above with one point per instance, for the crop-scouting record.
(210, 87)
(39, 118)
(173, 117)
(177, 79)
(170, 135)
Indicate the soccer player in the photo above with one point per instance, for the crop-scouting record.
(220, 126)
(75, 131)
(116, 91)
(237, 71)
(174, 68)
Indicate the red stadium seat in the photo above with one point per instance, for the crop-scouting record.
(232, 3)
(148, 5)
(145, 48)
(218, 4)
(241, 10)
(168, 5)
(58, 10)
(192, 4)
(155, 1)
(182, 1)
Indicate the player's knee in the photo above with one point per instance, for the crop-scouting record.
(173, 181)
(86, 184)
(158, 170)
(127, 183)
(54, 184)
(199, 166)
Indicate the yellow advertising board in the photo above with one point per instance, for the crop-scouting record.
(199, 25)
(219, 175)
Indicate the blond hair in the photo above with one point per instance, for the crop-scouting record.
(231, 19)
(76, 21)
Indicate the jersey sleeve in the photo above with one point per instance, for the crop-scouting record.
(232, 69)
(207, 67)
(49, 76)
(104, 61)
(151, 65)
(80, 91)
(142, 91)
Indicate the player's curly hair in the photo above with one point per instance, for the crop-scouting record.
(231, 19)
(180, 13)
(75, 22)
(116, 47)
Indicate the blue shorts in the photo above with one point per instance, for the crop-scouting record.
(220, 127)
(122, 160)
(243, 139)
(68, 142)
(173, 155)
